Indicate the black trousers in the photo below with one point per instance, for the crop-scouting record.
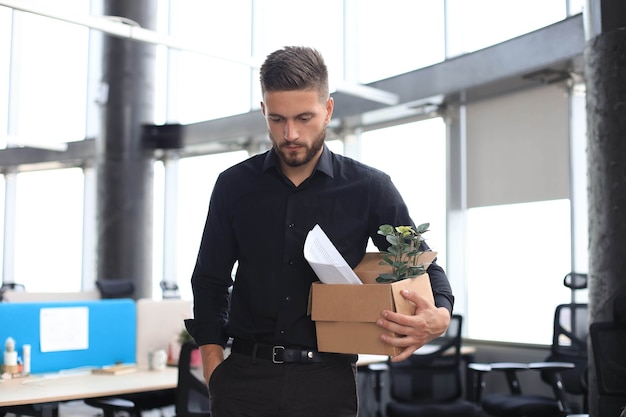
(243, 387)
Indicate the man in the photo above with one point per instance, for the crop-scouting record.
(260, 213)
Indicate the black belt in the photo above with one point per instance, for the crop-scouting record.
(285, 354)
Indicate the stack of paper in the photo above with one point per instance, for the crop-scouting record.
(326, 261)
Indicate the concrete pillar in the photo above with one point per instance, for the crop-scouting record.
(124, 165)
(605, 77)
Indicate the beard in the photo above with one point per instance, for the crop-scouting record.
(293, 159)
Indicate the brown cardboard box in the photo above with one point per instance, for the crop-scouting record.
(345, 315)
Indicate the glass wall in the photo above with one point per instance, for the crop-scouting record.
(517, 256)
(48, 230)
(414, 155)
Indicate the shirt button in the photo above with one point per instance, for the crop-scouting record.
(282, 332)
(291, 225)
(288, 298)
(290, 262)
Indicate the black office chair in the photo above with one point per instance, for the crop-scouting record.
(569, 344)
(116, 288)
(34, 410)
(608, 343)
(431, 384)
(133, 404)
(192, 393)
(564, 370)
(10, 286)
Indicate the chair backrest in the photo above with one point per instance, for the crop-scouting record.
(571, 329)
(576, 281)
(569, 344)
(116, 288)
(608, 341)
(192, 394)
(434, 376)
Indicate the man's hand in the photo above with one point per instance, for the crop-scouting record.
(414, 331)
(212, 355)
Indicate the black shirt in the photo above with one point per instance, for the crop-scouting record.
(259, 219)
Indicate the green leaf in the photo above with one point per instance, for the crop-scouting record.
(386, 229)
(386, 278)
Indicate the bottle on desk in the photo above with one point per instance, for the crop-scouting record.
(26, 359)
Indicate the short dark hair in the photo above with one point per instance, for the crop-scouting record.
(295, 68)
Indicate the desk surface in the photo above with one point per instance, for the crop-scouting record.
(74, 386)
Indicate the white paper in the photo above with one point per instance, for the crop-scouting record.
(64, 328)
(326, 261)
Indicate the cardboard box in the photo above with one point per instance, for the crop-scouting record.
(345, 315)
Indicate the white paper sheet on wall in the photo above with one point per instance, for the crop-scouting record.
(64, 328)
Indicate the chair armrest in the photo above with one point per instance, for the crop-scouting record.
(479, 367)
(476, 371)
(510, 370)
(551, 366)
(509, 366)
(552, 373)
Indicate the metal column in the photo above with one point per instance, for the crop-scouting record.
(124, 165)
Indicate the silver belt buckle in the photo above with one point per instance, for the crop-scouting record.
(274, 350)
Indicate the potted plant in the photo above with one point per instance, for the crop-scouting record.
(404, 253)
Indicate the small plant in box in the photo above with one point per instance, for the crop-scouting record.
(403, 254)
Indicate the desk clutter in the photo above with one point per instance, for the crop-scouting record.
(118, 369)
(43, 337)
(14, 365)
(109, 336)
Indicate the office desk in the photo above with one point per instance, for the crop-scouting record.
(66, 387)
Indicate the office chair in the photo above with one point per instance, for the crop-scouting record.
(34, 410)
(10, 286)
(192, 393)
(116, 288)
(431, 384)
(565, 370)
(133, 404)
(569, 344)
(608, 342)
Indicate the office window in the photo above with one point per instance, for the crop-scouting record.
(48, 230)
(204, 87)
(50, 81)
(414, 155)
(280, 23)
(2, 213)
(5, 48)
(517, 256)
(477, 24)
(402, 36)
(518, 220)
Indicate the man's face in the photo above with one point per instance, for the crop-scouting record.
(296, 121)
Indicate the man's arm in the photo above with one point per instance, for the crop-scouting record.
(212, 356)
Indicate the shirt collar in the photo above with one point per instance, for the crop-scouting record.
(324, 165)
